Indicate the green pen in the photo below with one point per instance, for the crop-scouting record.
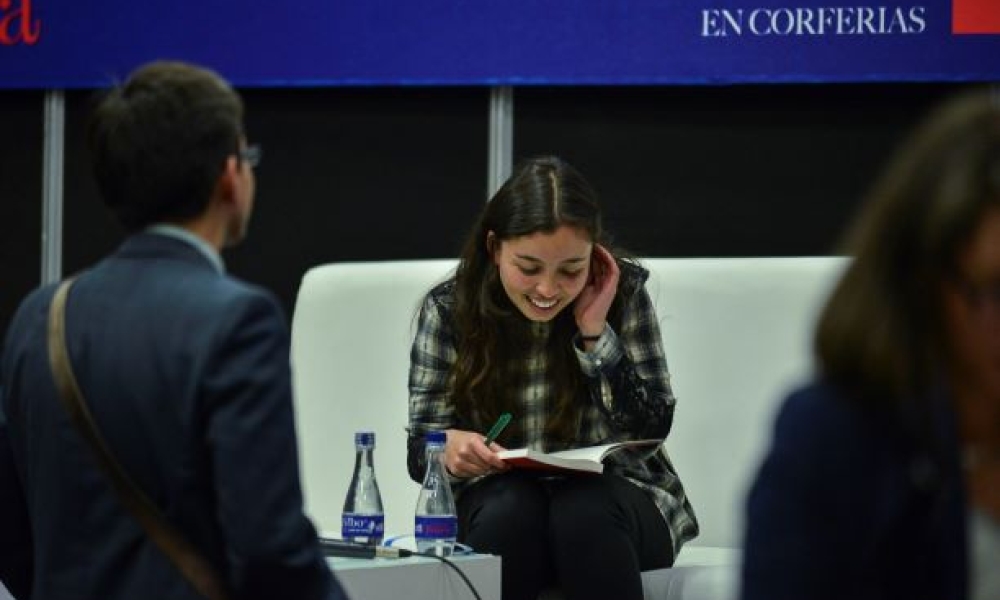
(497, 428)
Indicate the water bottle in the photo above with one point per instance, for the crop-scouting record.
(435, 523)
(363, 519)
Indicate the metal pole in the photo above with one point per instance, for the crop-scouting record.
(52, 186)
(501, 142)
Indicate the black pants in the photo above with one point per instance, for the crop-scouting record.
(591, 535)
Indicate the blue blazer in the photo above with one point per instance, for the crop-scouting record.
(844, 508)
(186, 372)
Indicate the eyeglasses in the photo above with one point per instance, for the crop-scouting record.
(984, 297)
(252, 155)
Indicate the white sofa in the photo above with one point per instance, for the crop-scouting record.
(737, 338)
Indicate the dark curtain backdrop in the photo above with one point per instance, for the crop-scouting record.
(398, 173)
(730, 171)
(21, 118)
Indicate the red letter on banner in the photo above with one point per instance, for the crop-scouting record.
(17, 26)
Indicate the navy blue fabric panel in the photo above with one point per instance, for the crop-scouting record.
(67, 44)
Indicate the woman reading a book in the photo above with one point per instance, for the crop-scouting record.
(544, 321)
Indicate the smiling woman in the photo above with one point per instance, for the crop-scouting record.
(547, 322)
(543, 272)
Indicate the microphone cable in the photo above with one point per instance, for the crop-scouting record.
(455, 568)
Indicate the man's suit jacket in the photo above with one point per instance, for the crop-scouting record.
(186, 372)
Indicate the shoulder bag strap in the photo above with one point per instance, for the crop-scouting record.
(185, 557)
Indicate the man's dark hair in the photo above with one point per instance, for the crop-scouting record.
(159, 142)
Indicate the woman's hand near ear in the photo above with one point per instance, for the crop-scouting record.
(592, 305)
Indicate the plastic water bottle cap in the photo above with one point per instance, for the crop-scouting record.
(436, 437)
(365, 439)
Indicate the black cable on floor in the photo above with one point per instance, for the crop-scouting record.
(455, 568)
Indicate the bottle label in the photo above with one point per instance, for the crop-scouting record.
(436, 527)
(369, 526)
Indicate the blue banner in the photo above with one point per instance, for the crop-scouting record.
(64, 44)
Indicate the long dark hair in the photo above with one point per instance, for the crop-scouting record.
(541, 195)
(882, 330)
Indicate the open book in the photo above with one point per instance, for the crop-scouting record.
(578, 459)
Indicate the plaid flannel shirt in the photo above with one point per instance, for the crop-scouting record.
(628, 388)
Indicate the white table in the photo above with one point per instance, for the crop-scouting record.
(418, 578)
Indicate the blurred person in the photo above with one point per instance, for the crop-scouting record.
(184, 368)
(883, 476)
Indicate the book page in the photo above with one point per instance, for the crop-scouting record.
(594, 453)
(597, 453)
(588, 458)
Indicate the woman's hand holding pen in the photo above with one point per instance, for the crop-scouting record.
(466, 455)
(592, 305)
